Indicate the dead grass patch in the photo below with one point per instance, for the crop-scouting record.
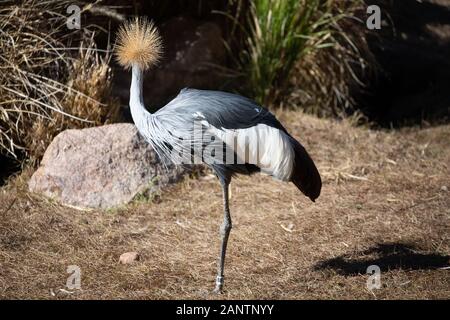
(382, 202)
(45, 85)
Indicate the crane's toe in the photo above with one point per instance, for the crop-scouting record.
(219, 285)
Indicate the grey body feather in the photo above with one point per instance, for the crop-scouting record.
(171, 131)
(221, 109)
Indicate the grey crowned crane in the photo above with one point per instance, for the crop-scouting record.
(237, 136)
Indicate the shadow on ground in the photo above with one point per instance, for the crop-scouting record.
(388, 256)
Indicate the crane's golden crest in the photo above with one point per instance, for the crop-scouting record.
(138, 42)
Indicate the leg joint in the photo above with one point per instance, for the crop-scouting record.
(226, 226)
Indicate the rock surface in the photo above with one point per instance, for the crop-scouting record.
(100, 167)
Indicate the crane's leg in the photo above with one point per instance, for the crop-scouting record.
(225, 233)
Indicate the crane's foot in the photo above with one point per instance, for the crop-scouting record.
(219, 285)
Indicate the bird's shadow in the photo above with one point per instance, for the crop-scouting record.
(387, 256)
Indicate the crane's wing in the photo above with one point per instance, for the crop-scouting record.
(220, 109)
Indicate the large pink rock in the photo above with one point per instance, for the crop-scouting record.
(100, 167)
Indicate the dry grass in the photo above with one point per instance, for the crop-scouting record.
(382, 203)
(45, 85)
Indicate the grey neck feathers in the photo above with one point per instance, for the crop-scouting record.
(140, 115)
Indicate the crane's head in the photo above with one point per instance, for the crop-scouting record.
(138, 43)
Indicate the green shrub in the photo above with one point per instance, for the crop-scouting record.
(283, 38)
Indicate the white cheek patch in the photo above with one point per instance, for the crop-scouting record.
(267, 147)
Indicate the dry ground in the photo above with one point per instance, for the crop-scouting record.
(385, 201)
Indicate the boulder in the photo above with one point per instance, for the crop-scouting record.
(100, 167)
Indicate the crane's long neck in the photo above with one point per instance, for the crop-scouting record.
(138, 112)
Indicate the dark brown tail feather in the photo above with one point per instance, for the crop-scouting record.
(305, 176)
